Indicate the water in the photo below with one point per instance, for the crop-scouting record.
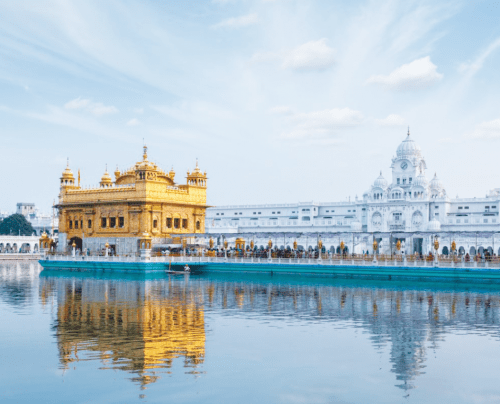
(93, 338)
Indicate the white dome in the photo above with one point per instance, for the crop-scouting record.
(356, 225)
(380, 182)
(421, 181)
(408, 148)
(434, 225)
(436, 183)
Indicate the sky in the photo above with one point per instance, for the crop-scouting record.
(281, 101)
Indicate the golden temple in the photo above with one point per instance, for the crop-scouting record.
(143, 201)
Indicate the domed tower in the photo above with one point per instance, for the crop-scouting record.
(436, 187)
(67, 178)
(196, 177)
(379, 187)
(171, 174)
(197, 185)
(408, 163)
(106, 180)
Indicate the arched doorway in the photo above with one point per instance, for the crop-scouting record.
(461, 251)
(472, 251)
(445, 250)
(78, 242)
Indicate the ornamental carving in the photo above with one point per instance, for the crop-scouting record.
(377, 220)
(417, 219)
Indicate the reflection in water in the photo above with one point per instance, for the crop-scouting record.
(146, 325)
(410, 320)
(18, 283)
(134, 326)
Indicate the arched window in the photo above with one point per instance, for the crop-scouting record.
(198, 225)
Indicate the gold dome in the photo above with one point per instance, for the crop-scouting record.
(117, 172)
(106, 180)
(106, 177)
(67, 173)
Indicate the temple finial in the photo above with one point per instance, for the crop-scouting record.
(67, 162)
(145, 155)
(408, 130)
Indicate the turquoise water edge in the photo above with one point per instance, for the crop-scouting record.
(457, 274)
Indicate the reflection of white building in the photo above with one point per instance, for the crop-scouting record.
(410, 203)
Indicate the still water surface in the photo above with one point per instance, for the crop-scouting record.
(92, 338)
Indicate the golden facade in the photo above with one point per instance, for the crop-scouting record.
(142, 199)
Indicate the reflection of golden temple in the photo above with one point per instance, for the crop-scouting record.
(133, 335)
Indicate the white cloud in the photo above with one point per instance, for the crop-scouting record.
(96, 108)
(238, 22)
(415, 75)
(322, 124)
(281, 110)
(138, 110)
(133, 122)
(101, 109)
(486, 131)
(477, 64)
(391, 120)
(77, 103)
(313, 55)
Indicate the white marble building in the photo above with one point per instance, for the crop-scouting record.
(409, 208)
(39, 221)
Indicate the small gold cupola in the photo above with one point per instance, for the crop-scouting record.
(196, 177)
(106, 181)
(67, 178)
(117, 173)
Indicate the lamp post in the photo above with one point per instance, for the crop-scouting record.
(375, 248)
(436, 248)
(320, 248)
(74, 249)
(270, 245)
(107, 249)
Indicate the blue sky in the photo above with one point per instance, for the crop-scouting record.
(281, 101)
